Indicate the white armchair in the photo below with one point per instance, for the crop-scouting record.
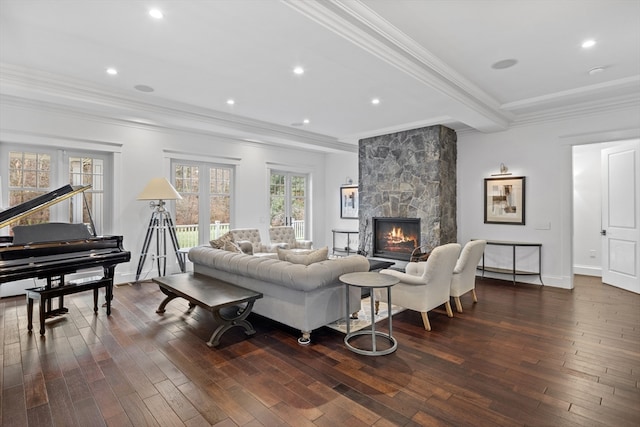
(242, 236)
(464, 274)
(426, 284)
(286, 234)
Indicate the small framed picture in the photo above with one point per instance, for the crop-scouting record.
(349, 201)
(504, 200)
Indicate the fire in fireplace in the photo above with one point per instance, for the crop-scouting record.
(395, 238)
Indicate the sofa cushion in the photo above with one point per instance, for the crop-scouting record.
(304, 257)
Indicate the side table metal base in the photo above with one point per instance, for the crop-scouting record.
(376, 352)
(370, 280)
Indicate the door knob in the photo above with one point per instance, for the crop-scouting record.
(603, 232)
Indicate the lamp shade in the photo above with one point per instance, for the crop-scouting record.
(159, 189)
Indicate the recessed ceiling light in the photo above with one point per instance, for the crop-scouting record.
(112, 71)
(230, 102)
(298, 70)
(375, 101)
(143, 88)
(596, 70)
(505, 63)
(588, 43)
(156, 13)
(305, 121)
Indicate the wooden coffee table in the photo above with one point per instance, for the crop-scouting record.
(213, 295)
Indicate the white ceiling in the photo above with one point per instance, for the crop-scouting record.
(428, 61)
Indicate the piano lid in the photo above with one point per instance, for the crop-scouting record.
(39, 203)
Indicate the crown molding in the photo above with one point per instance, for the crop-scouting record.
(27, 87)
(612, 104)
(629, 86)
(355, 22)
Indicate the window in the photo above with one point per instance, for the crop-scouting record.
(288, 201)
(204, 213)
(32, 173)
(29, 177)
(88, 171)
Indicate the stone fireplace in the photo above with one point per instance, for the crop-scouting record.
(395, 238)
(409, 174)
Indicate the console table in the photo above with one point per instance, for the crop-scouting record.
(348, 249)
(514, 271)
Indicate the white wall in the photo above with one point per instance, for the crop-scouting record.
(143, 152)
(339, 167)
(542, 153)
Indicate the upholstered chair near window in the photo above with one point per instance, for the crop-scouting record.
(245, 236)
(464, 274)
(287, 235)
(426, 284)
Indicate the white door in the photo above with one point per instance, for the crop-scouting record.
(621, 215)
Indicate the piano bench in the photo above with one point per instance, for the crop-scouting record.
(214, 295)
(45, 294)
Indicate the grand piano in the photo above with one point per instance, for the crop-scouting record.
(52, 251)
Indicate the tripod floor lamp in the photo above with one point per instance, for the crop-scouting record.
(158, 190)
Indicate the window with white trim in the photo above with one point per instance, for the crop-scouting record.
(204, 212)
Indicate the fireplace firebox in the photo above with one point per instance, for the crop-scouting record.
(395, 238)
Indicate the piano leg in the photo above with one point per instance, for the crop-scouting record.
(42, 314)
(29, 313)
(95, 300)
(109, 272)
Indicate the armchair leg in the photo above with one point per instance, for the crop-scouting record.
(447, 305)
(475, 297)
(425, 320)
(458, 304)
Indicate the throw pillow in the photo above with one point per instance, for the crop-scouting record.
(245, 247)
(232, 247)
(283, 253)
(310, 258)
(221, 241)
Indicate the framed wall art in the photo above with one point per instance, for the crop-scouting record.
(349, 204)
(504, 200)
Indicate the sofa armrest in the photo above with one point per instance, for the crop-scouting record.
(404, 277)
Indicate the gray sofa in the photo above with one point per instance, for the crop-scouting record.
(303, 297)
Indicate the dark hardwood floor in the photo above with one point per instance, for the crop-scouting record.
(523, 355)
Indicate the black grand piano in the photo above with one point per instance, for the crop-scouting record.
(53, 250)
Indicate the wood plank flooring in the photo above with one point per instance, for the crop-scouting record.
(523, 355)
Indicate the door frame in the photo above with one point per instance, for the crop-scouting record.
(602, 143)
